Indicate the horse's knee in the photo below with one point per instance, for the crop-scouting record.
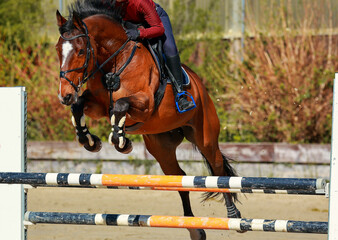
(122, 105)
(77, 108)
(78, 118)
(119, 111)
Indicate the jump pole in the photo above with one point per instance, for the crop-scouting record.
(12, 158)
(177, 222)
(213, 190)
(87, 179)
(333, 200)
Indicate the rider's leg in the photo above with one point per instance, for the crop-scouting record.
(173, 60)
(174, 65)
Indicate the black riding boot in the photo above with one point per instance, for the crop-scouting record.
(174, 65)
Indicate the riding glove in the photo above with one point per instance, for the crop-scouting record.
(133, 34)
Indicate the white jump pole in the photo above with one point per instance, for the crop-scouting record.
(12, 158)
(333, 205)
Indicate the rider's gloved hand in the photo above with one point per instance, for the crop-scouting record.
(133, 34)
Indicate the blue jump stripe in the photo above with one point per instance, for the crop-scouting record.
(246, 190)
(269, 225)
(133, 220)
(308, 227)
(279, 183)
(199, 182)
(111, 219)
(223, 182)
(269, 191)
(85, 179)
(62, 218)
(62, 179)
(246, 224)
(23, 178)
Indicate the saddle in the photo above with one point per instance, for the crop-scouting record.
(155, 48)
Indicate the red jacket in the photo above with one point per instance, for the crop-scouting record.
(143, 11)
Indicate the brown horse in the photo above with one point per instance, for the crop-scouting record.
(93, 43)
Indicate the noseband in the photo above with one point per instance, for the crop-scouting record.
(90, 51)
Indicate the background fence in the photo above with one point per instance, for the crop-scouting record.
(256, 160)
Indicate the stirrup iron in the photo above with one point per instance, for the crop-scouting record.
(188, 95)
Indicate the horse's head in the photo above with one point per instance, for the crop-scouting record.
(76, 50)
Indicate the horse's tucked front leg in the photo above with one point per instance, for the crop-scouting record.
(118, 118)
(90, 142)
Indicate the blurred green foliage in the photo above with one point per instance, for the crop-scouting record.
(27, 58)
(279, 88)
(35, 68)
(20, 20)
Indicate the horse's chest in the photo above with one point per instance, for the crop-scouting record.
(95, 110)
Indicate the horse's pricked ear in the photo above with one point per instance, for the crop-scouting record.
(77, 21)
(60, 19)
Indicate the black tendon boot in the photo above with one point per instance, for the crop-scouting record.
(174, 65)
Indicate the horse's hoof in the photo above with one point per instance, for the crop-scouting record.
(96, 146)
(197, 234)
(128, 147)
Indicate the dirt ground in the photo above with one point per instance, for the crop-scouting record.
(284, 207)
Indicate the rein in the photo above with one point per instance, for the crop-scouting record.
(90, 51)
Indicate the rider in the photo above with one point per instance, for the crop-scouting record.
(158, 24)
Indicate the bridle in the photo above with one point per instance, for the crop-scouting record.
(89, 52)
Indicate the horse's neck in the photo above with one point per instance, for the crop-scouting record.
(109, 37)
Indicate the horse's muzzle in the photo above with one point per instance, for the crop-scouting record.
(68, 99)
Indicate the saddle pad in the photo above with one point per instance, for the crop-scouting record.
(186, 79)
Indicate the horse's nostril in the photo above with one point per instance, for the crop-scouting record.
(67, 98)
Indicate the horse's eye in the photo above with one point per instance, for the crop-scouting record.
(81, 52)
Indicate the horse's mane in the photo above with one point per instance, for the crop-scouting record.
(87, 8)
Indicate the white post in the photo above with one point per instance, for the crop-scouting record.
(333, 205)
(61, 6)
(12, 159)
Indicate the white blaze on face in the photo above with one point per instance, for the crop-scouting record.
(67, 47)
